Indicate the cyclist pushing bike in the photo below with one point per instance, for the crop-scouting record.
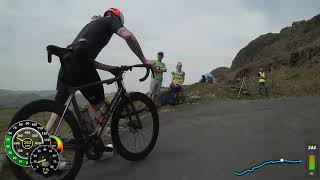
(79, 66)
(134, 117)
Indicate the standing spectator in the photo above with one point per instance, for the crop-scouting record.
(203, 79)
(262, 83)
(156, 81)
(177, 78)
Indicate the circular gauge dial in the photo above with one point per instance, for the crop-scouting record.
(22, 138)
(44, 160)
(56, 143)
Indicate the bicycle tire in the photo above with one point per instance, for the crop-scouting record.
(119, 147)
(41, 106)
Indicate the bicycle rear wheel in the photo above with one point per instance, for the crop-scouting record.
(135, 132)
(40, 111)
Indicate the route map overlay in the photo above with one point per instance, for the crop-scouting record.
(281, 161)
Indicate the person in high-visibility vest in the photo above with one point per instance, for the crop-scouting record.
(262, 83)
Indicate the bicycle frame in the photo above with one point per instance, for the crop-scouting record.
(121, 92)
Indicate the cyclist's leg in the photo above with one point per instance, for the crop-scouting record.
(60, 98)
(94, 94)
(65, 73)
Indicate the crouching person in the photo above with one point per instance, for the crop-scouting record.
(177, 80)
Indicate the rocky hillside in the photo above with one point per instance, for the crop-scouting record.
(291, 59)
(293, 46)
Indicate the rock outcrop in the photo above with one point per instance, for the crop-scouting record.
(293, 46)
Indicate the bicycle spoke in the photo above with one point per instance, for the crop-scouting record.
(126, 140)
(135, 142)
(138, 141)
(131, 143)
(142, 137)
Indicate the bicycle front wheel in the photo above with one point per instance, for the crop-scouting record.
(135, 127)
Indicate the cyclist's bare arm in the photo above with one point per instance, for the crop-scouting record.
(133, 44)
(104, 67)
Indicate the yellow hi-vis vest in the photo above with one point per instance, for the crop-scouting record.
(262, 77)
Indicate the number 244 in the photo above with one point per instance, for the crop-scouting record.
(312, 147)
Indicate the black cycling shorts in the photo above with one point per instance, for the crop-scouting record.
(77, 72)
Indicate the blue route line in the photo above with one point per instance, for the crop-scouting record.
(282, 161)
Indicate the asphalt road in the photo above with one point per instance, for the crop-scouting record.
(212, 140)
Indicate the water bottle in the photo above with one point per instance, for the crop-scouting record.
(99, 115)
(88, 120)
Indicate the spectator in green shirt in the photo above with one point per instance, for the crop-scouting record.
(156, 82)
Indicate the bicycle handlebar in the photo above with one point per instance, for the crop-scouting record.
(148, 68)
(57, 51)
(49, 57)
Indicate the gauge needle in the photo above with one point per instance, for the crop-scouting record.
(19, 139)
(43, 160)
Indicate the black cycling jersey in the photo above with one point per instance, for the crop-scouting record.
(97, 34)
(79, 68)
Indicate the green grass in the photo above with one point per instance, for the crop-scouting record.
(5, 117)
(291, 81)
(6, 114)
(217, 91)
(302, 80)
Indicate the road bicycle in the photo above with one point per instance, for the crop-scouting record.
(134, 124)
